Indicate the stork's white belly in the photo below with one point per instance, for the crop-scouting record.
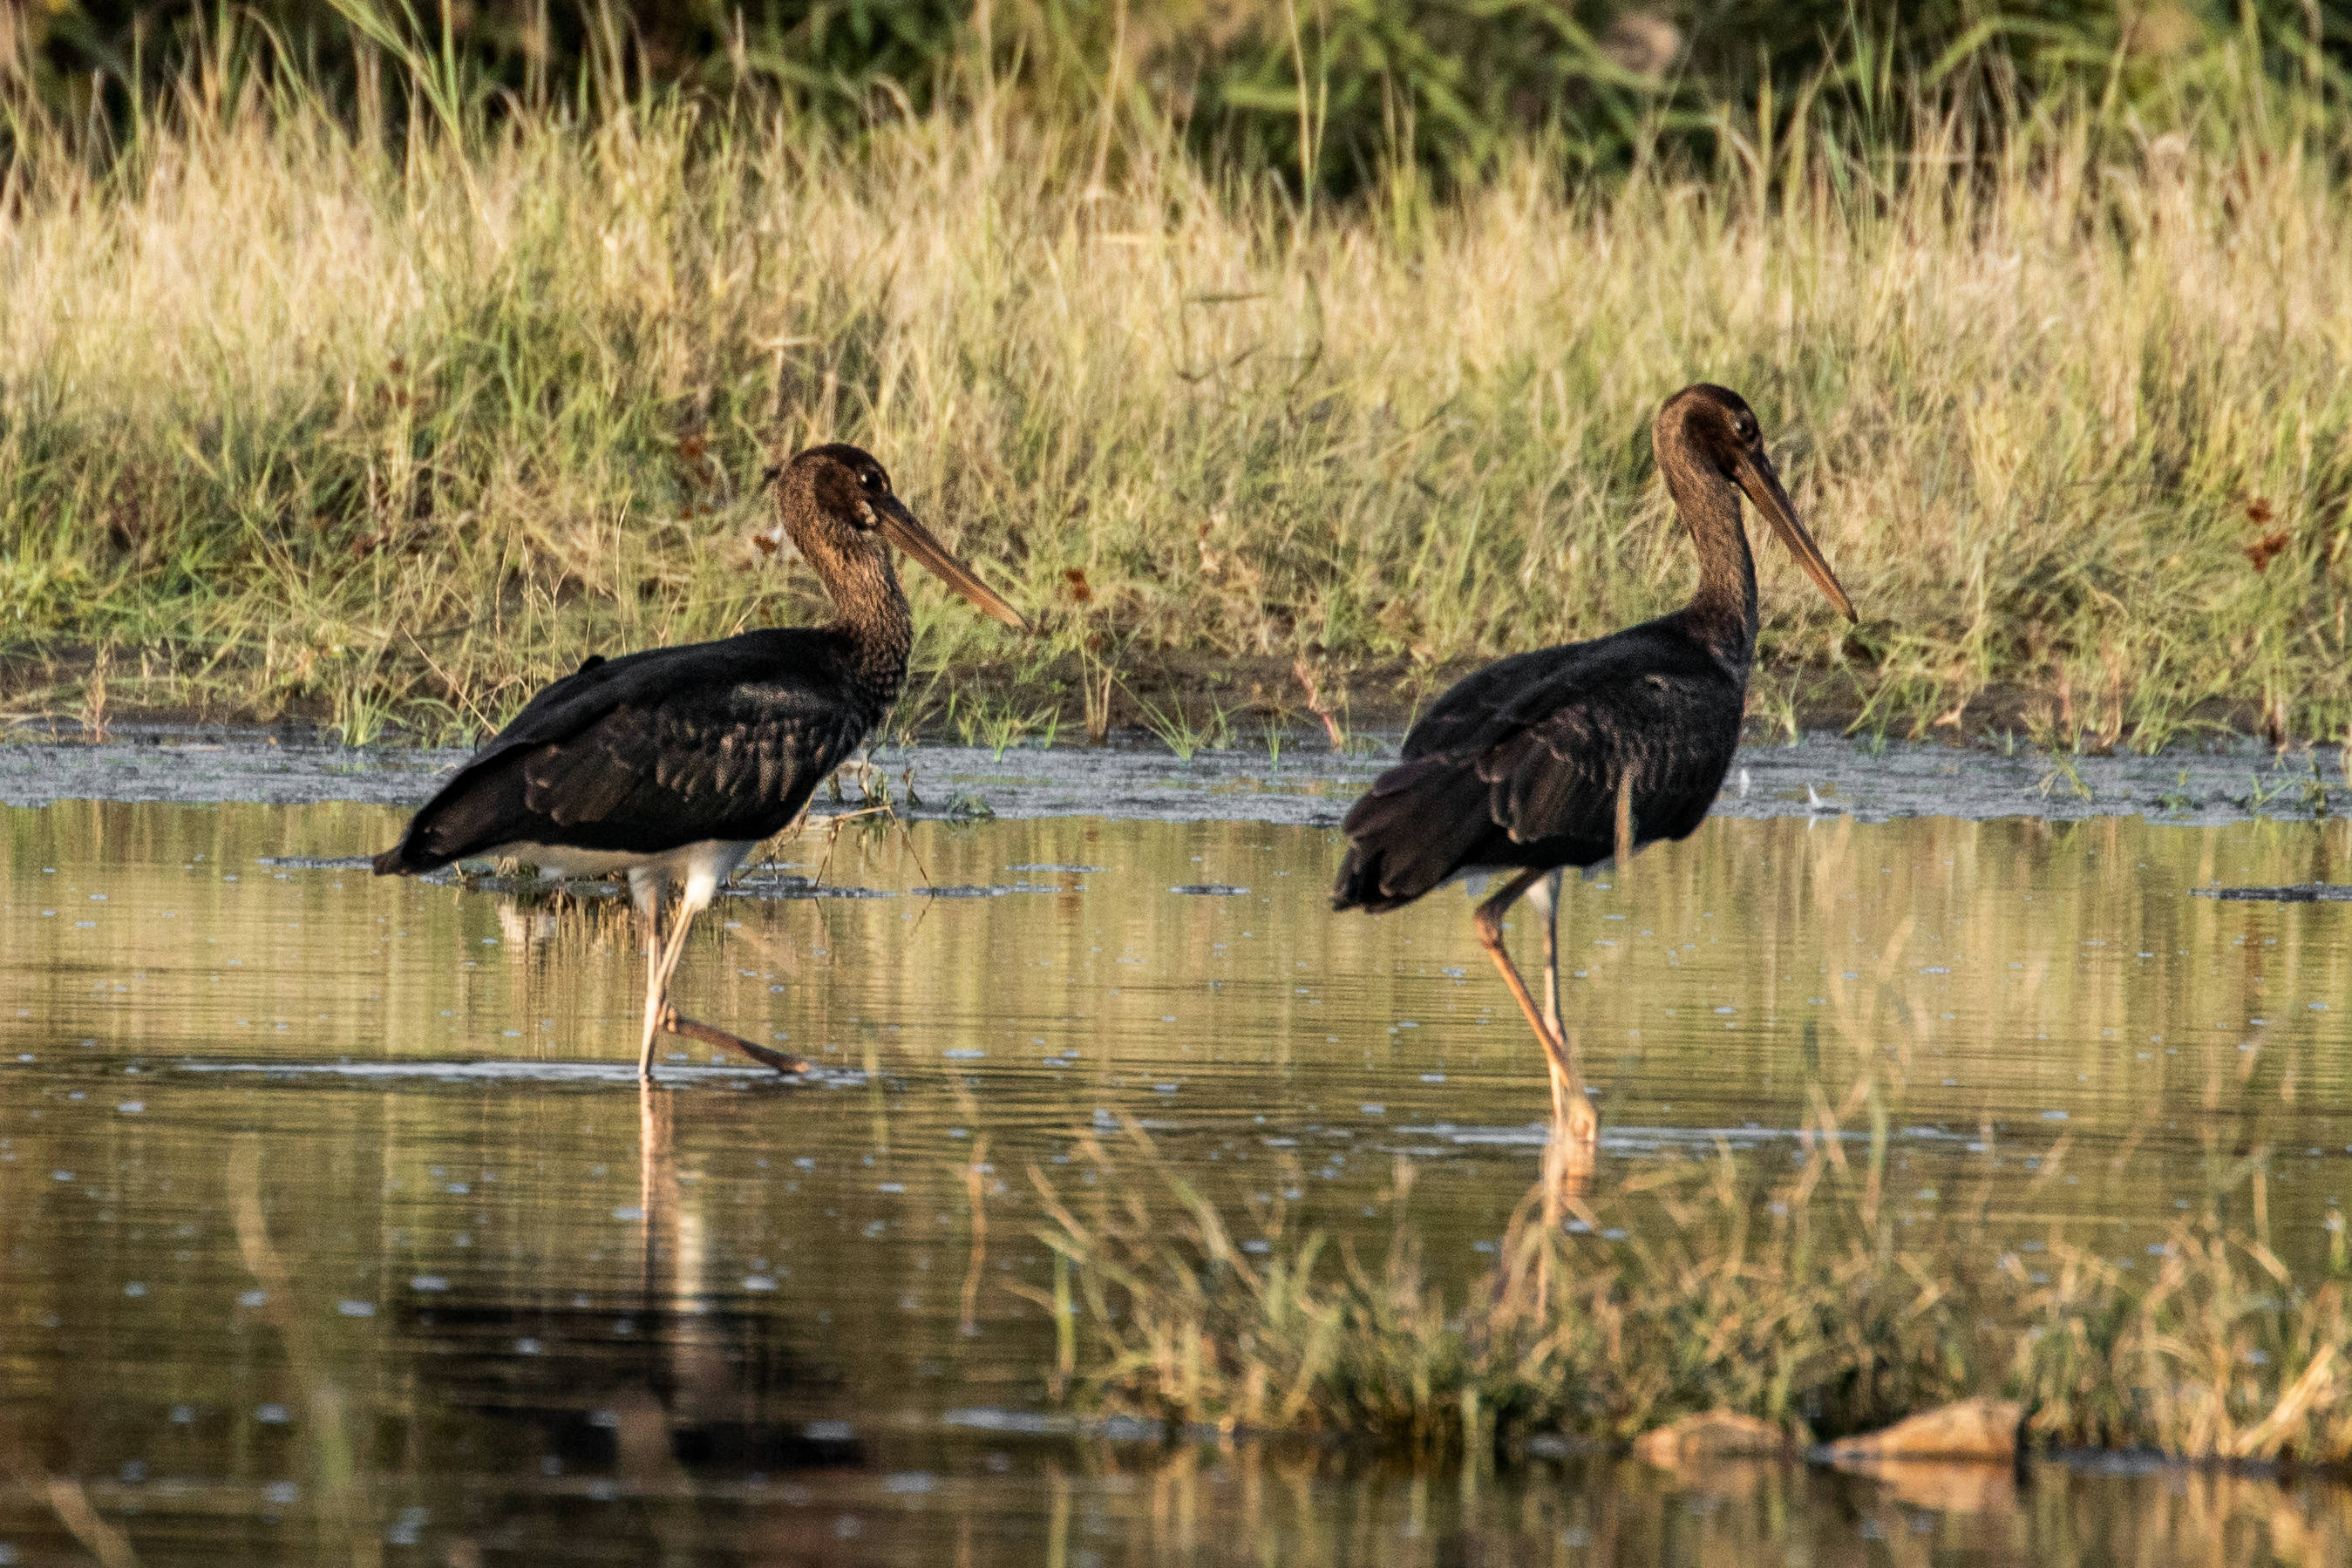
(1473, 879)
(712, 860)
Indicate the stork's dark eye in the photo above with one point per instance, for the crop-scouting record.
(873, 481)
(1744, 428)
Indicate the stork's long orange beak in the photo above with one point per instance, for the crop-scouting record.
(1762, 483)
(900, 526)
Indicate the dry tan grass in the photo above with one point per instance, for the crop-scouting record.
(1806, 1304)
(291, 418)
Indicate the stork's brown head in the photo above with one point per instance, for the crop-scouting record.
(836, 503)
(1716, 423)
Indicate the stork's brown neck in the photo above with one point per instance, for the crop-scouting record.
(875, 622)
(1722, 613)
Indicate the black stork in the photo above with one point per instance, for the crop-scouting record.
(1579, 755)
(669, 766)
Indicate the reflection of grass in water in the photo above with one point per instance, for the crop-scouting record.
(338, 1438)
(1806, 1303)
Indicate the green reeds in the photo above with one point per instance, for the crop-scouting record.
(1806, 1303)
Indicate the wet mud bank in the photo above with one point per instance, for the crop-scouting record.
(1817, 776)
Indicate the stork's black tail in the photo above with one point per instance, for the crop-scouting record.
(1420, 825)
(1359, 882)
(394, 862)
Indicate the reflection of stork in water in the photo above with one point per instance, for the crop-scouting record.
(687, 1363)
(671, 765)
(1579, 755)
(641, 1362)
(705, 1397)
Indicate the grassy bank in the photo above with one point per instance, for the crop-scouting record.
(302, 415)
(1822, 1304)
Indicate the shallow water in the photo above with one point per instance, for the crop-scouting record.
(337, 1225)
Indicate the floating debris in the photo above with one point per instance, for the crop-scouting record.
(801, 887)
(1208, 889)
(1711, 1434)
(1975, 1428)
(2301, 893)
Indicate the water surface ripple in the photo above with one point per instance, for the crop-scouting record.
(336, 1224)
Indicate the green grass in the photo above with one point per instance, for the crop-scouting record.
(299, 415)
(1811, 1304)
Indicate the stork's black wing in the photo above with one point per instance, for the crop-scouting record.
(652, 751)
(1519, 764)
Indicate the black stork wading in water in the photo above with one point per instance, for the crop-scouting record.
(669, 766)
(1579, 755)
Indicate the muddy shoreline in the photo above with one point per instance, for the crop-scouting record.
(1819, 774)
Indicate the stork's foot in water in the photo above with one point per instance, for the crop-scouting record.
(1579, 1124)
(1575, 1140)
(676, 1022)
(1567, 1161)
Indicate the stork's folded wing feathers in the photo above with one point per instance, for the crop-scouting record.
(1551, 776)
(1411, 833)
(1529, 752)
(1470, 708)
(718, 740)
(722, 762)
